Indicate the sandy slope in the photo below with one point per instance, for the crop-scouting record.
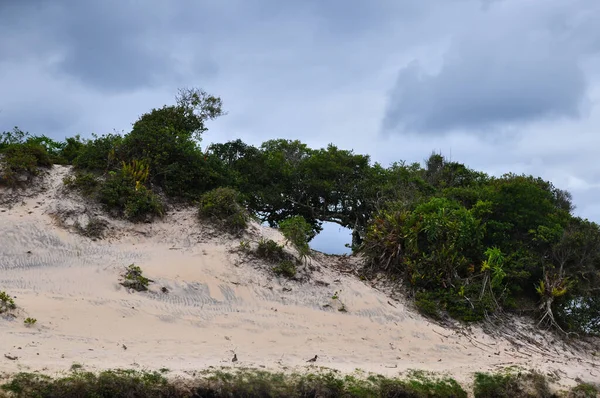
(219, 301)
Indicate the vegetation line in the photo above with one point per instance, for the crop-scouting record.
(467, 245)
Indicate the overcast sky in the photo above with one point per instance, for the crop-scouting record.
(500, 85)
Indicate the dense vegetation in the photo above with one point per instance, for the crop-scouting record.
(254, 383)
(465, 243)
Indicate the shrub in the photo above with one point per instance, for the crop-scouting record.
(297, 231)
(222, 206)
(270, 250)
(142, 204)
(99, 154)
(6, 302)
(52, 148)
(94, 229)
(134, 279)
(30, 321)
(426, 305)
(424, 385)
(23, 159)
(510, 385)
(285, 268)
(168, 139)
(86, 183)
(110, 383)
(584, 390)
(121, 192)
(72, 148)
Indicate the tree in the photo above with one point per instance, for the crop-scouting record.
(168, 139)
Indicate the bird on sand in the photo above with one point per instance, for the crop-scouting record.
(234, 358)
(313, 359)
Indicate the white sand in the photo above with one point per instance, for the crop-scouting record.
(219, 301)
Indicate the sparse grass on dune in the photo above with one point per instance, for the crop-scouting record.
(257, 383)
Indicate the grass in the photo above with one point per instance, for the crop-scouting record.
(134, 279)
(270, 250)
(247, 383)
(6, 302)
(584, 390)
(94, 228)
(285, 268)
(30, 321)
(86, 183)
(511, 385)
(252, 383)
(222, 206)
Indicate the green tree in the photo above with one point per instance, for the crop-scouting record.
(168, 139)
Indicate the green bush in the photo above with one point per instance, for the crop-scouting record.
(122, 193)
(222, 206)
(134, 278)
(25, 159)
(6, 302)
(248, 383)
(86, 183)
(168, 139)
(72, 148)
(584, 390)
(426, 305)
(511, 385)
(110, 383)
(297, 231)
(94, 228)
(102, 153)
(286, 268)
(143, 203)
(270, 250)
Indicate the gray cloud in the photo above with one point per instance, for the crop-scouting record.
(512, 64)
(113, 46)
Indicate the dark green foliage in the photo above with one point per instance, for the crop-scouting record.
(510, 385)
(584, 390)
(270, 250)
(110, 383)
(477, 245)
(426, 305)
(21, 155)
(222, 206)
(84, 182)
(129, 198)
(134, 278)
(251, 383)
(167, 138)
(142, 205)
(297, 231)
(286, 268)
(102, 153)
(248, 384)
(94, 228)
(71, 149)
(6, 302)
(329, 385)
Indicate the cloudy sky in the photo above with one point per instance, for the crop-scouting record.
(500, 85)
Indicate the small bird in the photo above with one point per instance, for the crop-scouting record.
(313, 359)
(234, 358)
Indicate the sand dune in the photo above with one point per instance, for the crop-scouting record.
(219, 301)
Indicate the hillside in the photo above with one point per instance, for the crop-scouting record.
(219, 301)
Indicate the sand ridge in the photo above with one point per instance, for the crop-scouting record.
(219, 302)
